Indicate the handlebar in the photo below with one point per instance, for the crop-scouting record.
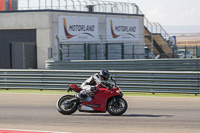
(113, 79)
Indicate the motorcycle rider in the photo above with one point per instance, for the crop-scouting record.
(89, 85)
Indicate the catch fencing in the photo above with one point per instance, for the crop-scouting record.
(129, 81)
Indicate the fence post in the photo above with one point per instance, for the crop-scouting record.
(68, 54)
(96, 51)
(196, 51)
(198, 83)
(106, 51)
(61, 53)
(122, 50)
(102, 56)
(84, 50)
(147, 50)
(88, 51)
(133, 57)
(185, 51)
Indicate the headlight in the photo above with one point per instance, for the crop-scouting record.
(120, 92)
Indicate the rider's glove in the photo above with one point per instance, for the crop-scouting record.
(69, 89)
(107, 85)
(93, 89)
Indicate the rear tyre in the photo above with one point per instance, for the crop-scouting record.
(66, 108)
(117, 108)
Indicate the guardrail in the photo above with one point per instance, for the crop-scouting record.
(133, 65)
(131, 81)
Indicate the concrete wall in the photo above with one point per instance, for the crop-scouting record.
(41, 21)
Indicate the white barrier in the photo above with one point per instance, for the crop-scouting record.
(131, 81)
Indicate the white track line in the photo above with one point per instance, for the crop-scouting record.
(33, 131)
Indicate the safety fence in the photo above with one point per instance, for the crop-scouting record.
(133, 65)
(79, 5)
(108, 51)
(185, 51)
(182, 51)
(130, 81)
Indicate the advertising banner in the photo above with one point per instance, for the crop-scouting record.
(78, 28)
(121, 29)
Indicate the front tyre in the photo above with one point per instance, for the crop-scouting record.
(117, 106)
(66, 108)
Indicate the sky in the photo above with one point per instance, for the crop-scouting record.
(174, 15)
(170, 12)
(165, 12)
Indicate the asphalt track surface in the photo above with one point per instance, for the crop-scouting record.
(144, 115)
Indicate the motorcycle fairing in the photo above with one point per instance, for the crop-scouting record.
(100, 99)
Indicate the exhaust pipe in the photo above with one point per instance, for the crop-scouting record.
(85, 108)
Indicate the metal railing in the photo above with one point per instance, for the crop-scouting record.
(131, 81)
(158, 29)
(129, 64)
(79, 5)
(107, 51)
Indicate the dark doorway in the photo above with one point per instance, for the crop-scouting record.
(7, 37)
(23, 56)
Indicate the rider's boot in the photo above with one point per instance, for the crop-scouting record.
(82, 95)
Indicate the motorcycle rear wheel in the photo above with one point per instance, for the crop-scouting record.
(66, 109)
(117, 109)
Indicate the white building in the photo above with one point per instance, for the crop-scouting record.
(30, 37)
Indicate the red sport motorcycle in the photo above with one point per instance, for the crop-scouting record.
(105, 99)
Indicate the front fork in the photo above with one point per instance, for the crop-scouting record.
(116, 102)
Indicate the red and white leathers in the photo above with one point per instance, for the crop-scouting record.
(89, 85)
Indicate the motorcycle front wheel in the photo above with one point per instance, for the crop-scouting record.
(66, 108)
(117, 107)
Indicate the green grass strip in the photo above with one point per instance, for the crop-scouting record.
(125, 93)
